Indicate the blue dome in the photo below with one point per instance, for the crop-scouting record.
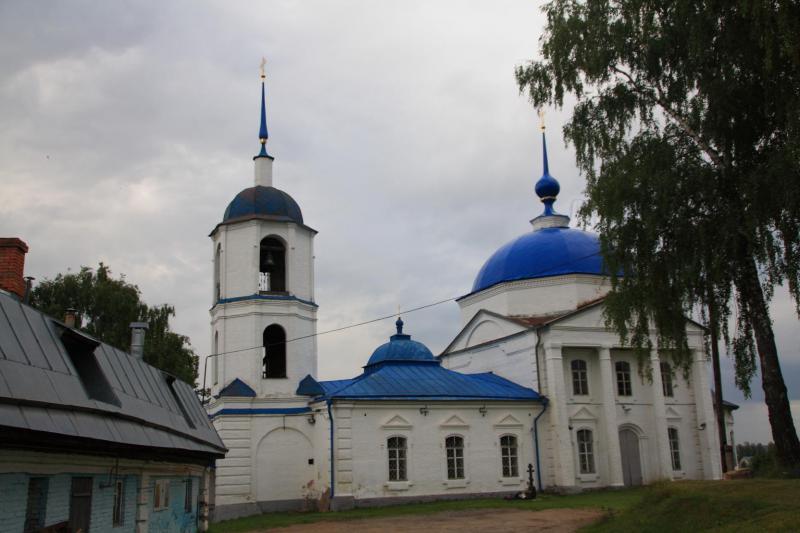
(545, 252)
(401, 348)
(264, 201)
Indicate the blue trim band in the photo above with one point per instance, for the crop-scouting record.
(261, 411)
(287, 297)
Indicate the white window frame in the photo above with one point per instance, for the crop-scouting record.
(456, 482)
(512, 466)
(590, 474)
(674, 448)
(582, 375)
(161, 495)
(397, 460)
(627, 379)
(118, 509)
(667, 383)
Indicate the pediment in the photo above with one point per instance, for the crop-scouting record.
(508, 421)
(671, 412)
(454, 422)
(397, 422)
(584, 413)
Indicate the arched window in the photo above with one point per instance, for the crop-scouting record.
(214, 360)
(272, 266)
(580, 380)
(585, 451)
(508, 454)
(217, 267)
(666, 380)
(397, 458)
(274, 362)
(674, 448)
(624, 378)
(454, 446)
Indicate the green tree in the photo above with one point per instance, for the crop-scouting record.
(686, 126)
(105, 308)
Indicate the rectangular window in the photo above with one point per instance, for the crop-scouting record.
(508, 453)
(624, 379)
(674, 448)
(585, 451)
(666, 380)
(580, 379)
(397, 458)
(454, 447)
(117, 512)
(188, 500)
(161, 494)
(37, 504)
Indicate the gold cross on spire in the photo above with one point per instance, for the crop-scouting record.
(263, 71)
(540, 112)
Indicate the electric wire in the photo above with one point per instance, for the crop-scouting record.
(373, 320)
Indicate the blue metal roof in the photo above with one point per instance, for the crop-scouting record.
(237, 388)
(263, 201)
(552, 249)
(541, 253)
(403, 369)
(414, 381)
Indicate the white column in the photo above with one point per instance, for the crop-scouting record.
(660, 415)
(610, 415)
(709, 441)
(565, 466)
(263, 171)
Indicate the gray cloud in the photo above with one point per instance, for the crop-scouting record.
(125, 129)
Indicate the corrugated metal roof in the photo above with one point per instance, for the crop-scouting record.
(41, 390)
(413, 380)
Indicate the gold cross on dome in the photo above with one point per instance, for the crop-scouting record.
(263, 64)
(540, 112)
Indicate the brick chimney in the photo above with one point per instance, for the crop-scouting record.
(12, 265)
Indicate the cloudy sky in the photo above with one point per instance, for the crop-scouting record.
(127, 127)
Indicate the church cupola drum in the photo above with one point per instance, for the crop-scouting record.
(263, 287)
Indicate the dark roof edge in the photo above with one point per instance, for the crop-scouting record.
(111, 414)
(271, 218)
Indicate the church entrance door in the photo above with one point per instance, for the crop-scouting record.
(285, 466)
(631, 461)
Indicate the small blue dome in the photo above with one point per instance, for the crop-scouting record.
(547, 187)
(545, 252)
(401, 348)
(264, 201)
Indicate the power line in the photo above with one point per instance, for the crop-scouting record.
(378, 319)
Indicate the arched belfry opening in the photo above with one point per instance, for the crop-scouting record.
(272, 266)
(274, 362)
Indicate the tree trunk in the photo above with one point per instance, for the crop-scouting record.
(723, 441)
(784, 435)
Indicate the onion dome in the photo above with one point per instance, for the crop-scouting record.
(551, 249)
(266, 202)
(401, 348)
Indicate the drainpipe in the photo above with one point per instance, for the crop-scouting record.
(536, 442)
(333, 468)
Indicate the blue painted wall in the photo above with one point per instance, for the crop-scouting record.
(175, 519)
(14, 496)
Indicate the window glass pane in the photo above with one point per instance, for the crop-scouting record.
(37, 504)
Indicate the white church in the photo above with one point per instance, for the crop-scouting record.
(534, 377)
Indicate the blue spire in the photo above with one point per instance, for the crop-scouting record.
(547, 188)
(263, 135)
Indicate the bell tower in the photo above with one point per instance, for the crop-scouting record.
(263, 314)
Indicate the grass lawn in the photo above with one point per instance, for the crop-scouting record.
(744, 505)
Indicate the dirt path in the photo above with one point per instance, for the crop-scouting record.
(481, 521)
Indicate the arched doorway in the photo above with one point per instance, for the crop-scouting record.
(631, 458)
(283, 469)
